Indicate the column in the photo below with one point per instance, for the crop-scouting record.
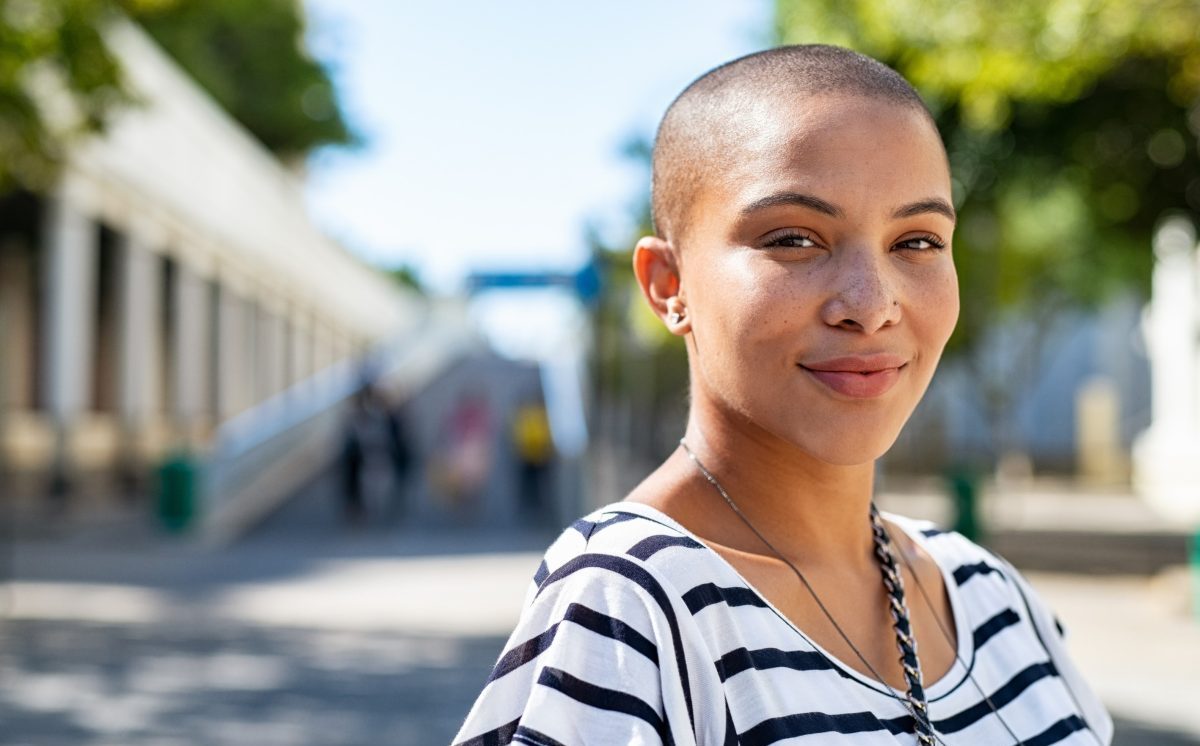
(190, 343)
(139, 352)
(300, 347)
(231, 360)
(322, 355)
(251, 367)
(68, 296)
(341, 346)
(16, 326)
(1167, 456)
(279, 352)
(268, 359)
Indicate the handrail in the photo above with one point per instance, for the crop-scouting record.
(261, 456)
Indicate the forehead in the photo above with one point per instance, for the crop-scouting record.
(851, 148)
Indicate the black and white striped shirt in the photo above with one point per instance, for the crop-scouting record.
(634, 632)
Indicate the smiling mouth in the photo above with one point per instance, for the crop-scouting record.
(858, 384)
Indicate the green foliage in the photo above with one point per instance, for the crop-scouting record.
(984, 57)
(57, 40)
(639, 367)
(247, 53)
(406, 277)
(1071, 127)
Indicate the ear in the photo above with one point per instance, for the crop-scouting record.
(657, 271)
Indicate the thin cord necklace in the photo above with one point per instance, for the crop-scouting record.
(914, 698)
(898, 608)
(946, 633)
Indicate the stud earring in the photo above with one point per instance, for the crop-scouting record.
(675, 317)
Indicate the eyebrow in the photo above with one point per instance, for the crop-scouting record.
(939, 206)
(793, 198)
(921, 207)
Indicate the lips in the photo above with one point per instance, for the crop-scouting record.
(858, 376)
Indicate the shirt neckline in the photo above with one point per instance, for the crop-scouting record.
(958, 672)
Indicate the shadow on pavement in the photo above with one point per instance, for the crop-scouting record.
(305, 533)
(90, 684)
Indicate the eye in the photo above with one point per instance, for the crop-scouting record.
(926, 242)
(790, 240)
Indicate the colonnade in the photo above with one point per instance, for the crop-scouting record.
(121, 343)
(170, 280)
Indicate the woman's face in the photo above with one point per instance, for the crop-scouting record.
(817, 275)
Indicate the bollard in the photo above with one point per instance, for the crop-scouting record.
(964, 493)
(1195, 563)
(176, 491)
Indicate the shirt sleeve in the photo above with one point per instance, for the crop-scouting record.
(591, 661)
(1051, 633)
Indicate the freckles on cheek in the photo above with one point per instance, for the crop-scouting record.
(942, 307)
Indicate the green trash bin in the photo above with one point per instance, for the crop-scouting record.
(964, 492)
(177, 491)
(1195, 563)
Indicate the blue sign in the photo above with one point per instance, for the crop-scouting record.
(585, 283)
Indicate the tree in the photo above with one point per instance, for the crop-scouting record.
(248, 54)
(406, 276)
(1072, 131)
(50, 38)
(640, 370)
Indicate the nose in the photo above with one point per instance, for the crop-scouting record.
(861, 297)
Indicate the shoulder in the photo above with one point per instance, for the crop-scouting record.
(983, 582)
(631, 542)
(954, 553)
(601, 648)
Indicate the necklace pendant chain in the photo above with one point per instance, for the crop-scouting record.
(914, 698)
(893, 581)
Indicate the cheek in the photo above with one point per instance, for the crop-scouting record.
(763, 302)
(746, 310)
(724, 293)
(935, 306)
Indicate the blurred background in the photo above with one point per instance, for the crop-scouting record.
(317, 324)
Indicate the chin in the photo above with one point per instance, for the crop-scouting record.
(848, 444)
(851, 453)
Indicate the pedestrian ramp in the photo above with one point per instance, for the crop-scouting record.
(266, 454)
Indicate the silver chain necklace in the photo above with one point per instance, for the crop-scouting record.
(914, 699)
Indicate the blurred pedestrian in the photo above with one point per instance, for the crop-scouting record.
(366, 441)
(534, 448)
(403, 455)
(464, 458)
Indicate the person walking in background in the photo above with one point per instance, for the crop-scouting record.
(400, 447)
(465, 457)
(534, 448)
(366, 441)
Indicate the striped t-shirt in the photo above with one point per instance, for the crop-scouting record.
(634, 632)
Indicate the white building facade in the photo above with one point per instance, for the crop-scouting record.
(170, 281)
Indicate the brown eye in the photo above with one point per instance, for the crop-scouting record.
(922, 243)
(792, 241)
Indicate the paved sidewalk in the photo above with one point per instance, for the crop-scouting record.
(310, 633)
(1057, 529)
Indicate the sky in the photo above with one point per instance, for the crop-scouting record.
(494, 130)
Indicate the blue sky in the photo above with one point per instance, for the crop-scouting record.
(494, 129)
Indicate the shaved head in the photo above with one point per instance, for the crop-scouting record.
(703, 127)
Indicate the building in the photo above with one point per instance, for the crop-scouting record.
(169, 282)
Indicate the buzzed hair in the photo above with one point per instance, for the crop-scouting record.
(696, 126)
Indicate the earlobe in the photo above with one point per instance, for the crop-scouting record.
(657, 273)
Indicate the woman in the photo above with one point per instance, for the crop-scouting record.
(748, 591)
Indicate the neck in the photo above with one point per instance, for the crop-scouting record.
(812, 511)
